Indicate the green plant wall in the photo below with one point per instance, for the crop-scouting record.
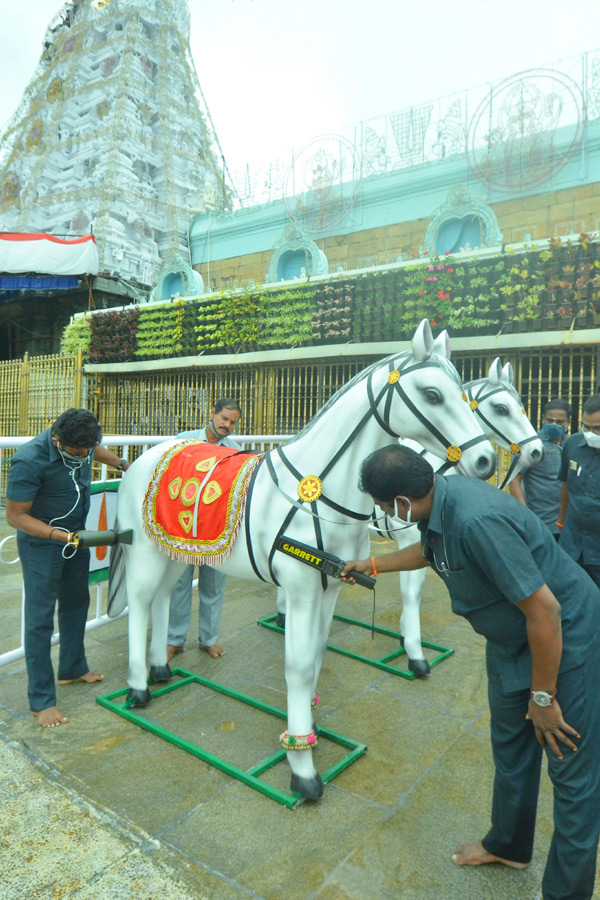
(554, 287)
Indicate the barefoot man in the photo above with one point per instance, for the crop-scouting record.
(223, 420)
(47, 497)
(540, 614)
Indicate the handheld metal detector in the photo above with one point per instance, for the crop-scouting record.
(319, 559)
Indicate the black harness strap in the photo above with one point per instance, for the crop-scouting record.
(247, 521)
(362, 517)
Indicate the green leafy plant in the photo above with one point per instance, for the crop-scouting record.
(77, 335)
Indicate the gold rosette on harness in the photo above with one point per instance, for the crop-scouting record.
(310, 488)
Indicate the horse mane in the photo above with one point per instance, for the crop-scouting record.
(444, 364)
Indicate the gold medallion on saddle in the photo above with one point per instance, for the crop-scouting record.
(194, 505)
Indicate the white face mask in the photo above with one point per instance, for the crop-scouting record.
(408, 519)
(592, 440)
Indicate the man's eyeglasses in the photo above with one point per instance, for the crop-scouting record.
(593, 428)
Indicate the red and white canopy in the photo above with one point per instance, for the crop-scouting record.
(48, 255)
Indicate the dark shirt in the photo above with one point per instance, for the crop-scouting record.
(541, 484)
(492, 552)
(580, 469)
(37, 473)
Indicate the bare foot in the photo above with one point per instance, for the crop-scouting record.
(474, 854)
(89, 678)
(214, 650)
(173, 651)
(49, 718)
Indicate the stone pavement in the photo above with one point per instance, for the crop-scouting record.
(102, 809)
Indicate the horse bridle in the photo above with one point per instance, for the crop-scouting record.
(305, 486)
(474, 392)
(475, 399)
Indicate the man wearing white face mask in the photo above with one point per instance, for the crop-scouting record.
(540, 615)
(48, 499)
(579, 515)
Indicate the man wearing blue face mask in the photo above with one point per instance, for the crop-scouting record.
(47, 498)
(579, 514)
(539, 487)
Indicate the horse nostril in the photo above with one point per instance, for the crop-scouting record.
(535, 455)
(485, 466)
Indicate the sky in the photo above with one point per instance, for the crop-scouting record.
(278, 73)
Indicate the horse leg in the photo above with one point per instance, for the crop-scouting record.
(301, 641)
(327, 611)
(411, 585)
(159, 668)
(141, 588)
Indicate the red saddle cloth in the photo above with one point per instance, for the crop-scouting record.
(194, 504)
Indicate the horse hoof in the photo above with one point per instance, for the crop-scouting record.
(309, 788)
(160, 673)
(136, 697)
(420, 667)
(280, 620)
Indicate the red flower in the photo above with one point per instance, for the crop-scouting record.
(433, 322)
(447, 253)
(421, 293)
(450, 270)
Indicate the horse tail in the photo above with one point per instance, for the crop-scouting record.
(117, 586)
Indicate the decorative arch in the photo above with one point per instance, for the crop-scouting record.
(460, 221)
(177, 277)
(295, 256)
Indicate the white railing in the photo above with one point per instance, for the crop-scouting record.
(259, 442)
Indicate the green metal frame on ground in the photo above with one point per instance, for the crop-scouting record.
(247, 776)
(382, 662)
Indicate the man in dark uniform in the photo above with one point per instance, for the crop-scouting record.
(539, 486)
(48, 498)
(540, 614)
(579, 515)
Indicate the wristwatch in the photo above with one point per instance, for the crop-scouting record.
(121, 464)
(542, 698)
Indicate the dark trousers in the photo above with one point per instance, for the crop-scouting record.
(571, 865)
(47, 578)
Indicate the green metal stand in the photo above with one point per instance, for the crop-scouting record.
(247, 776)
(382, 662)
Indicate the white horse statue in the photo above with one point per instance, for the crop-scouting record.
(415, 393)
(497, 404)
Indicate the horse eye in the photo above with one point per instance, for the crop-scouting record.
(432, 396)
(501, 409)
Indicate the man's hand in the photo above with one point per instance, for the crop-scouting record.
(364, 566)
(550, 727)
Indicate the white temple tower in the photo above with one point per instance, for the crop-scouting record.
(112, 136)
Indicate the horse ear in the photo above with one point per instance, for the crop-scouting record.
(508, 374)
(441, 345)
(422, 342)
(495, 372)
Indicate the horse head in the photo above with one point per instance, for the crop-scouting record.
(498, 404)
(435, 410)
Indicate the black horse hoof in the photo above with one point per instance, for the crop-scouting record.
(136, 697)
(420, 667)
(280, 620)
(309, 788)
(160, 673)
